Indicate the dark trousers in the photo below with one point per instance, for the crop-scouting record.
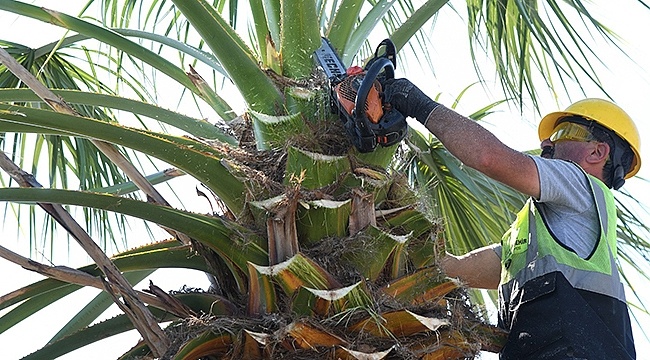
(549, 319)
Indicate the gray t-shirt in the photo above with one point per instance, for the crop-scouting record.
(567, 204)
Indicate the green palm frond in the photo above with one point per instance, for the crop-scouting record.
(199, 303)
(526, 38)
(233, 242)
(195, 127)
(235, 56)
(471, 204)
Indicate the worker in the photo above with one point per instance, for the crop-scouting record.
(560, 296)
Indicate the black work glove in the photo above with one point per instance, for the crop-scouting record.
(408, 99)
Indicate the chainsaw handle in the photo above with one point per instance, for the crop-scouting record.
(389, 52)
(368, 81)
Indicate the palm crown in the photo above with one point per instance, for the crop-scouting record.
(315, 249)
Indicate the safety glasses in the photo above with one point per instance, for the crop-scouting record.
(571, 131)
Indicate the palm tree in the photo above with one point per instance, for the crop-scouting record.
(314, 249)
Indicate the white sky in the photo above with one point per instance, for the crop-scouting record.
(628, 83)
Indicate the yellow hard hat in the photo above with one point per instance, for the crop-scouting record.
(605, 113)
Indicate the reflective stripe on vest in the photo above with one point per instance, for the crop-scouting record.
(529, 251)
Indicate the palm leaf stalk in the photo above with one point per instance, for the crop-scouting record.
(113, 282)
(317, 250)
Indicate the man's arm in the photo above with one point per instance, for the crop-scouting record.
(478, 148)
(479, 269)
(468, 141)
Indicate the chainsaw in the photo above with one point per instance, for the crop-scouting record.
(355, 94)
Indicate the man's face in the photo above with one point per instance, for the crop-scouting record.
(569, 141)
(566, 150)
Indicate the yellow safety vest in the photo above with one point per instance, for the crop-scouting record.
(529, 251)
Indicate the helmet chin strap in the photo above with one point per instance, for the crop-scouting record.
(618, 173)
(618, 177)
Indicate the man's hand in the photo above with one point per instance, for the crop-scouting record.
(408, 99)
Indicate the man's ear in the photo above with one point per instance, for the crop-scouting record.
(599, 153)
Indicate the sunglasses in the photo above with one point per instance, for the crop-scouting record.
(571, 131)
